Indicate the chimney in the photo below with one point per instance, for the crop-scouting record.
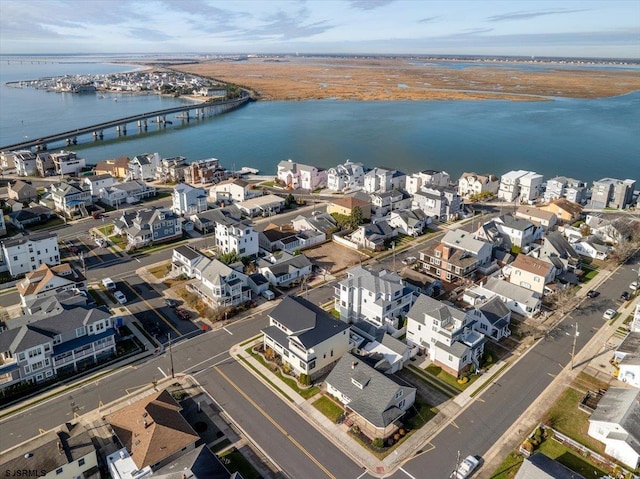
(354, 364)
(446, 251)
(146, 424)
(60, 450)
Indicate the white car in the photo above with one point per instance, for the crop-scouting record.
(633, 286)
(120, 297)
(609, 314)
(409, 260)
(109, 284)
(466, 468)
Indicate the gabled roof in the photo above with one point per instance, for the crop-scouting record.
(512, 222)
(532, 265)
(621, 406)
(630, 344)
(540, 466)
(495, 311)
(427, 306)
(285, 263)
(372, 393)
(349, 202)
(560, 244)
(152, 429)
(512, 291)
(309, 323)
(463, 240)
(36, 281)
(199, 463)
(574, 209)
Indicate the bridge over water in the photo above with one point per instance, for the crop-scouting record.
(198, 110)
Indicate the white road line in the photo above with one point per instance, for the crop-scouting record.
(137, 260)
(205, 361)
(160, 369)
(407, 473)
(225, 328)
(213, 365)
(362, 475)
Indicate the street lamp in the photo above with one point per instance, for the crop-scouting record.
(573, 348)
(171, 357)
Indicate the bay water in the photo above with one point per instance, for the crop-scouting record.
(585, 139)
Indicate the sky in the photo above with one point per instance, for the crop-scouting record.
(571, 28)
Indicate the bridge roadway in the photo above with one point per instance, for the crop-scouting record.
(226, 105)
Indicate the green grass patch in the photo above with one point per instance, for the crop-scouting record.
(161, 270)
(450, 379)
(291, 382)
(565, 417)
(425, 412)
(570, 458)
(329, 408)
(269, 184)
(106, 230)
(49, 224)
(234, 461)
(509, 467)
(158, 247)
(590, 273)
(438, 385)
(219, 446)
(335, 313)
(250, 340)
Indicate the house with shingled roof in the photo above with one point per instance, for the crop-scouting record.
(218, 284)
(566, 211)
(147, 226)
(22, 191)
(539, 466)
(305, 336)
(153, 431)
(283, 268)
(616, 423)
(627, 358)
(116, 167)
(446, 334)
(376, 401)
(531, 273)
(47, 281)
(379, 297)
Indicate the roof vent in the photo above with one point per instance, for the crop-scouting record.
(354, 364)
(28, 455)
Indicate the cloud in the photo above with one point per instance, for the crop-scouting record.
(369, 4)
(526, 15)
(285, 26)
(149, 34)
(428, 20)
(474, 31)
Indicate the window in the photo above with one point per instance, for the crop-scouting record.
(59, 470)
(20, 356)
(81, 462)
(399, 394)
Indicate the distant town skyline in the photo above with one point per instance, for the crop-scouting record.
(570, 28)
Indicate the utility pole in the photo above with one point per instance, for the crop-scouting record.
(393, 249)
(573, 349)
(171, 357)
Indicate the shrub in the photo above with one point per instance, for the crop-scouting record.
(463, 380)
(396, 437)
(304, 379)
(390, 441)
(355, 429)
(402, 432)
(378, 442)
(527, 446)
(269, 354)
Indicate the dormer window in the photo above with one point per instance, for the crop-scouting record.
(399, 394)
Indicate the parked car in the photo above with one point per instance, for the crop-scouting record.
(120, 297)
(268, 294)
(466, 468)
(609, 314)
(409, 260)
(97, 216)
(625, 296)
(633, 286)
(109, 284)
(183, 314)
(172, 303)
(593, 293)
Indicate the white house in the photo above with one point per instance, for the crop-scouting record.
(441, 203)
(508, 231)
(426, 179)
(472, 184)
(47, 281)
(185, 259)
(220, 285)
(377, 403)
(305, 336)
(445, 334)
(409, 222)
(130, 192)
(627, 357)
(563, 187)
(143, 167)
(616, 423)
(67, 163)
(94, 183)
(27, 253)
(282, 269)
(544, 218)
(236, 236)
(346, 177)
(592, 247)
(187, 200)
(70, 198)
(25, 163)
(296, 175)
(383, 203)
(379, 297)
(525, 186)
(233, 189)
(518, 299)
(382, 180)
(266, 205)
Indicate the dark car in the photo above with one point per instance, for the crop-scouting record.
(183, 314)
(625, 296)
(97, 216)
(172, 303)
(593, 293)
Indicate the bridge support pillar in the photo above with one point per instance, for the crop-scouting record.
(124, 129)
(68, 141)
(74, 140)
(101, 134)
(118, 129)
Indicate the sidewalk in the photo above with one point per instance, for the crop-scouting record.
(338, 433)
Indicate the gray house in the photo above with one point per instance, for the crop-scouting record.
(377, 401)
(148, 225)
(442, 203)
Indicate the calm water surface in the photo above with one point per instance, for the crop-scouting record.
(587, 139)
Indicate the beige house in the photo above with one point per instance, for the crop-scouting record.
(346, 204)
(116, 167)
(471, 184)
(538, 216)
(531, 273)
(566, 211)
(22, 191)
(153, 431)
(47, 281)
(306, 337)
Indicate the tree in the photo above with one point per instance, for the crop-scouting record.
(356, 218)
(289, 201)
(560, 299)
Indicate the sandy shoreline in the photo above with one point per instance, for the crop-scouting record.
(386, 79)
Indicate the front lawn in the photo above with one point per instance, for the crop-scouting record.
(329, 408)
(234, 461)
(450, 379)
(161, 270)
